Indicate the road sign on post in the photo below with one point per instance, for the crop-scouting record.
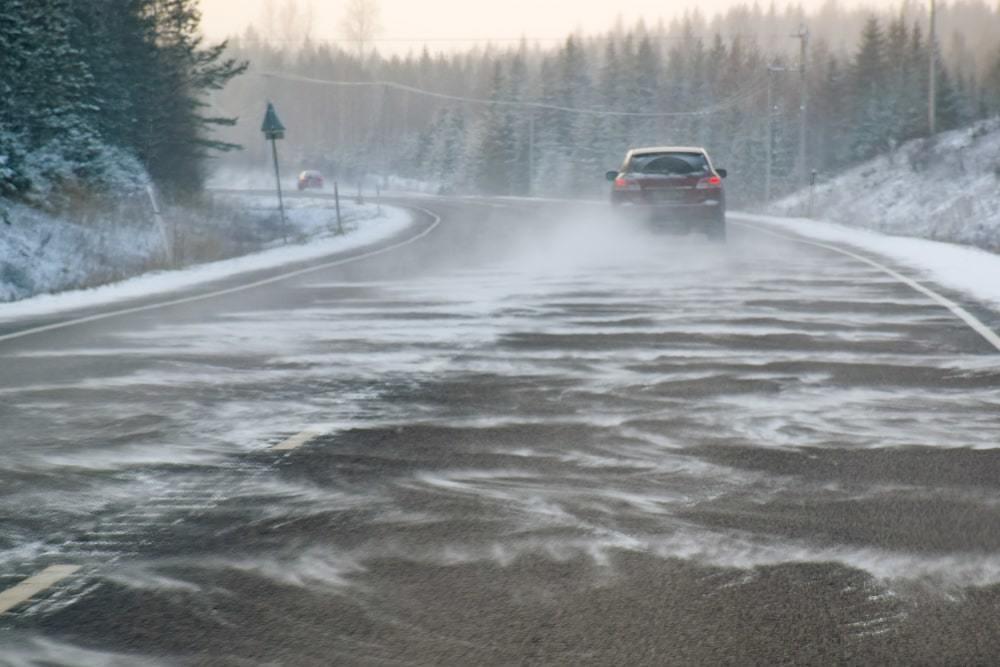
(274, 130)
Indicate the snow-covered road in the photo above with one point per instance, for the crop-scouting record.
(532, 418)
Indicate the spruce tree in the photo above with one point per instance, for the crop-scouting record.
(492, 157)
(647, 66)
(872, 126)
(991, 86)
(174, 134)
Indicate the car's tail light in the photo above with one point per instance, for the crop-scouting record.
(626, 185)
(713, 182)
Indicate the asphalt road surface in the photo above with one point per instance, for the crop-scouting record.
(534, 435)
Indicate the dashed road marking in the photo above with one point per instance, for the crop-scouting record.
(297, 440)
(34, 585)
(961, 313)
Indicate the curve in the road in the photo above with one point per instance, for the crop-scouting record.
(436, 220)
(961, 313)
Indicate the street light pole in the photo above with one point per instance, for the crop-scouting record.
(803, 37)
(531, 151)
(932, 72)
(769, 119)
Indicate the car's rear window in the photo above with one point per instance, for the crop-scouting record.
(668, 163)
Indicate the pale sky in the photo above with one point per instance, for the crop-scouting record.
(475, 19)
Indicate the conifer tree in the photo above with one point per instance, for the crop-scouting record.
(991, 86)
(495, 143)
(872, 115)
(88, 87)
(647, 72)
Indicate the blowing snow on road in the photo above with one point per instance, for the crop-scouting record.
(524, 435)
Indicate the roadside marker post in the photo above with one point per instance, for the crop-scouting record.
(336, 203)
(812, 192)
(168, 242)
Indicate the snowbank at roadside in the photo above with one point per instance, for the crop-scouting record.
(310, 219)
(968, 270)
(40, 252)
(946, 189)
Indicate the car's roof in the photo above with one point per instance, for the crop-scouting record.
(666, 149)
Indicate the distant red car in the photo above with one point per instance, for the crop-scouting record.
(310, 179)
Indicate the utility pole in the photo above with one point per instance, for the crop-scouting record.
(932, 72)
(769, 148)
(531, 151)
(803, 37)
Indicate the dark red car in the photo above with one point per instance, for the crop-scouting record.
(310, 179)
(674, 186)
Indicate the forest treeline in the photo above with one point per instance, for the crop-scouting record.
(692, 81)
(104, 95)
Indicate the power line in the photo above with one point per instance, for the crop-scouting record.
(491, 40)
(724, 105)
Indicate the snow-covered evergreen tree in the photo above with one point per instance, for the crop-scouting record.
(494, 146)
(872, 120)
(92, 94)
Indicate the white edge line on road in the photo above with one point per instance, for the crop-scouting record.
(961, 313)
(231, 290)
(298, 440)
(34, 585)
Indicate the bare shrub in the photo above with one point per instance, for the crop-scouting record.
(922, 155)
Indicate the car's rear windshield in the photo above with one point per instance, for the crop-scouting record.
(678, 164)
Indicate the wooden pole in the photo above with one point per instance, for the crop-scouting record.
(336, 201)
(932, 72)
(531, 152)
(769, 147)
(803, 106)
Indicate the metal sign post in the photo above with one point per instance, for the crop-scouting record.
(274, 130)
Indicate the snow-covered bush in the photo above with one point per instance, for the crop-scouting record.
(12, 155)
(57, 182)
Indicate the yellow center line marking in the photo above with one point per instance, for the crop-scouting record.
(34, 585)
(297, 441)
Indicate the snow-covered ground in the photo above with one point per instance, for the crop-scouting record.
(312, 222)
(947, 190)
(41, 253)
(971, 271)
(230, 178)
(309, 217)
(235, 178)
